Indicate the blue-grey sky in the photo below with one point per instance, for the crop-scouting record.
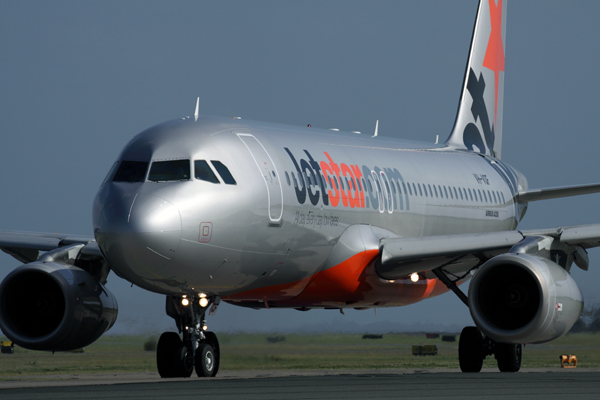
(79, 79)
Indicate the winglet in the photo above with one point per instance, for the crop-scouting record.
(197, 108)
(376, 128)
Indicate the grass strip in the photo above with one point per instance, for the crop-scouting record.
(239, 351)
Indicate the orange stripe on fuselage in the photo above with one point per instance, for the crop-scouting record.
(352, 283)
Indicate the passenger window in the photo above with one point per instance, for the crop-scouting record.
(409, 189)
(446, 192)
(435, 191)
(131, 171)
(404, 187)
(294, 179)
(503, 201)
(287, 178)
(225, 174)
(420, 191)
(203, 172)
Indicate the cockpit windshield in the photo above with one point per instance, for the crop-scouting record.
(131, 171)
(176, 170)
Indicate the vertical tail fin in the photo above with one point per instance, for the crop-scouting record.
(478, 125)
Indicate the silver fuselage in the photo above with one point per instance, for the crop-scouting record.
(267, 236)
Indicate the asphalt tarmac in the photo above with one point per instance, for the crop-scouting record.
(547, 384)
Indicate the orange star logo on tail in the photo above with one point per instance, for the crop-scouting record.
(494, 55)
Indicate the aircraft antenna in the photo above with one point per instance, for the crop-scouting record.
(376, 128)
(197, 108)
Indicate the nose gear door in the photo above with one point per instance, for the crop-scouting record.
(267, 168)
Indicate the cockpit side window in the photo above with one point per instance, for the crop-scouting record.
(131, 171)
(224, 172)
(174, 170)
(203, 172)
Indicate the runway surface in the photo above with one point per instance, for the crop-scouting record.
(366, 384)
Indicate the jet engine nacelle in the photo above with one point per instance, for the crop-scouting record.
(520, 298)
(54, 306)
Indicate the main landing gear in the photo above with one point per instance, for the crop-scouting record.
(199, 349)
(473, 348)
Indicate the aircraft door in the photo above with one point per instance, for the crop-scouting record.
(267, 169)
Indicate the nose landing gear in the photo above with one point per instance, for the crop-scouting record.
(176, 358)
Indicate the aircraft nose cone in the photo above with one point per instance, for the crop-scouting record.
(139, 234)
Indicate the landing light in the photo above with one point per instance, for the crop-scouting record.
(202, 295)
(204, 327)
(203, 302)
(414, 277)
(185, 302)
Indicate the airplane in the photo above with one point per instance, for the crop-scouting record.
(207, 209)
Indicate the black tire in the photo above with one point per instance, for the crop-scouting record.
(184, 364)
(168, 344)
(508, 357)
(171, 357)
(205, 361)
(211, 338)
(470, 355)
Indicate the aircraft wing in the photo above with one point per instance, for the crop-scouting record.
(25, 246)
(556, 192)
(586, 236)
(457, 254)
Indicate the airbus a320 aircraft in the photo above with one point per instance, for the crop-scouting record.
(207, 209)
